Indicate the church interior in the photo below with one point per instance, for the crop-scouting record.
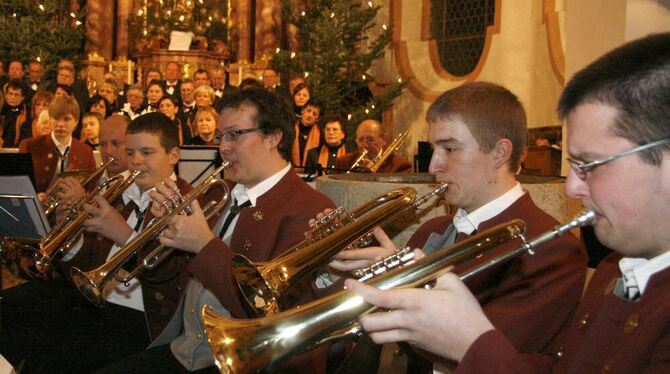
(381, 63)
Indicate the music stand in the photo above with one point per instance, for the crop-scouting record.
(197, 162)
(21, 214)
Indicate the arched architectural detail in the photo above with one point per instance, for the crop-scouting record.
(403, 59)
(550, 17)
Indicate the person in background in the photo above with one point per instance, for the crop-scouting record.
(35, 74)
(153, 95)
(172, 84)
(135, 98)
(109, 90)
(168, 105)
(370, 135)
(201, 78)
(99, 104)
(90, 129)
(325, 156)
(301, 95)
(31, 127)
(220, 83)
(14, 112)
(205, 121)
(308, 133)
(59, 151)
(187, 100)
(153, 74)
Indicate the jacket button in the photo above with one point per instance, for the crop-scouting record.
(246, 245)
(164, 311)
(159, 296)
(632, 323)
(582, 322)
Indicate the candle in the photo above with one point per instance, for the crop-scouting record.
(130, 73)
(239, 75)
(110, 67)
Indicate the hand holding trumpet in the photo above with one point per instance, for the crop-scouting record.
(186, 232)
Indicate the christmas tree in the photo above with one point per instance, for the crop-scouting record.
(44, 30)
(335, 51)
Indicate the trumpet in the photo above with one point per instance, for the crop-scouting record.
(379, 160)
(242, 346)
(64, 235)
(92, 283)
(357, 163)
(52, 200)
(265, 285)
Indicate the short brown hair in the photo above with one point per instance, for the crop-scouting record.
(62, 105)
(491, 112)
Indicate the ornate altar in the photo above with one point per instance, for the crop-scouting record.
(189, 60)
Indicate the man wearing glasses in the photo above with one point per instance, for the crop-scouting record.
(370, 139)
(618, 121)
(269, 212)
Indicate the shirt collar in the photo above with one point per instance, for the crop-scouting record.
(639, 270)
(61, 147)
(241, 193)
(142, 200)
(468, 223)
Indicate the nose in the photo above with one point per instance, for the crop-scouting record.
(437, 164)
(575, 187)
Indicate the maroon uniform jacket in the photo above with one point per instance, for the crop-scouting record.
(277, 223)
(393, 164)
(45, 158)
(608, 334)
(161, 287)
(531, 298)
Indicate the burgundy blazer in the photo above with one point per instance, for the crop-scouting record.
(45, 158)
(161, 287)
(393, 164)
(531, 298)
(608, 333)
(275, 224)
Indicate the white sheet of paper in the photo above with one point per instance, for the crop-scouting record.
(180, 41)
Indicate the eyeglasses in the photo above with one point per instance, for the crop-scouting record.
(233, 135)
(367, 139)
(581, 168)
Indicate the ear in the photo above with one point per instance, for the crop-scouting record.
(502, 152)
(274, 138)
(174, 155)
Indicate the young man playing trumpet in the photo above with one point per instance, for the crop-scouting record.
(478, 132)
(622, 324)
(271, 207)
(74, 335)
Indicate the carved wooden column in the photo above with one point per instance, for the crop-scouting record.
(99, 25)
(268, 28)
(241, 30)
(124, 10)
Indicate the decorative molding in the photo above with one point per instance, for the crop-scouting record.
(556, 52)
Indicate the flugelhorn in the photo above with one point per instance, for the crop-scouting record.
(52, 200)
(243, 346)
(265, 285)
(64, 235)
(92, 283)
